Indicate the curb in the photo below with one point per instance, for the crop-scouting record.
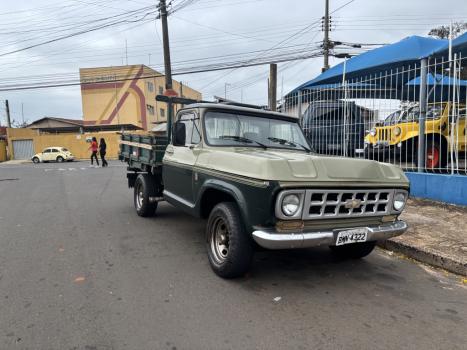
(426, 257)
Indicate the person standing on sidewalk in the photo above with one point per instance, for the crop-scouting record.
(94, 147)
(102, 151)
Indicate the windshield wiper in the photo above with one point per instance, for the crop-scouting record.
(242, 139)
(290, 143)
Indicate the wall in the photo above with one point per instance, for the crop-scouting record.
(2, 151)
(128, 100)
(76, 143)
(445, 188)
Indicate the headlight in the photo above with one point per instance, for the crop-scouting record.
(290, 204)
(399, 201)
(397, 131)
(373, 132)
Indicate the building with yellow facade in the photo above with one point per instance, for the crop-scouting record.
(126, 95)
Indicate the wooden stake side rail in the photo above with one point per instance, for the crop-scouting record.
(136, 144)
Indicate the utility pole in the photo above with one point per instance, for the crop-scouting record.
(326, 45)
(22, 112)
(272, 86)
(165, 41)
(8, 119)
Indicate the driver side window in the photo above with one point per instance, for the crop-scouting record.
(191, 121)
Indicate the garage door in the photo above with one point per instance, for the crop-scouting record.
(23, 149)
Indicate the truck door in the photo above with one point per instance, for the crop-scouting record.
(179, 162)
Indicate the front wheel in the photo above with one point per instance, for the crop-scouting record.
(230, 249)
(35, 160)
(354, 250)
(144, 189)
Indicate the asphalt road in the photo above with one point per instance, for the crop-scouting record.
(80, 270)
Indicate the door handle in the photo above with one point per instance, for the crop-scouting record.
(169, 151)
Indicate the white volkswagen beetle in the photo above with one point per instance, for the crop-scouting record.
(53, 154)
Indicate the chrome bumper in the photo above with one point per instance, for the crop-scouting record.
(272, 239)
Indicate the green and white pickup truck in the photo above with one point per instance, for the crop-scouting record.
(252, 175)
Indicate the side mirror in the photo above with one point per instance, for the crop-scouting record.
(179, 134)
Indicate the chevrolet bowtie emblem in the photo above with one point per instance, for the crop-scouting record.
(353, 203)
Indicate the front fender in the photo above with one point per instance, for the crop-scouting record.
(229, 188)
(256, 203)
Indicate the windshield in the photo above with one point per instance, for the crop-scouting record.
(228, 129)
(392, 118)
(432, 112)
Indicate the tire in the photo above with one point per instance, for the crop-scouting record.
(36, 160)
(230, 249)
(60, 159)
(144, 188)
(436, 157)
(353, 251)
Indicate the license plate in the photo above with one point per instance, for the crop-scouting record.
(351, 236)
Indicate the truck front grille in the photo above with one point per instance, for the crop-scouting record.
(322, 204)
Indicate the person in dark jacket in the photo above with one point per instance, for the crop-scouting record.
(102, 151)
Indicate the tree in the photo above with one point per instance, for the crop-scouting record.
(442, 32)
(18, 124)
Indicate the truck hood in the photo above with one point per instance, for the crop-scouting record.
(293, 166)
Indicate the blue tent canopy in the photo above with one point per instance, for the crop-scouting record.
(459, 46)
(405, 52)
(439, 80)
(409, 91)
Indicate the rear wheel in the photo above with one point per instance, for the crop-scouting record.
(353, 251)
(60, 159)
(144, 189)
(436, 156)
(230, 249)
(36, 160)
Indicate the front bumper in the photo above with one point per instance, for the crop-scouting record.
(272, 239)
(381, 149)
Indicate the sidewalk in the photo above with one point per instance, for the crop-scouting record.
(437, 235)
(16, 161)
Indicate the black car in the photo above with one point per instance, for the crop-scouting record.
(336, 127)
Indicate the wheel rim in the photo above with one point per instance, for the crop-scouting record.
(219, 241)
(432, 157)
(59, 159)
(139, 197)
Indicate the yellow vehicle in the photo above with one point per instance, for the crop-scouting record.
(399, 139)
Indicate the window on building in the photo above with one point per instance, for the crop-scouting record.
(150, 109)
(162, 113)
(150, 86)
(161, 90)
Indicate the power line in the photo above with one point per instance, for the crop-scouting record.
(105, 25)
(193, 70)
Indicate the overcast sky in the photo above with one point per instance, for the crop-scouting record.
(226, 29)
